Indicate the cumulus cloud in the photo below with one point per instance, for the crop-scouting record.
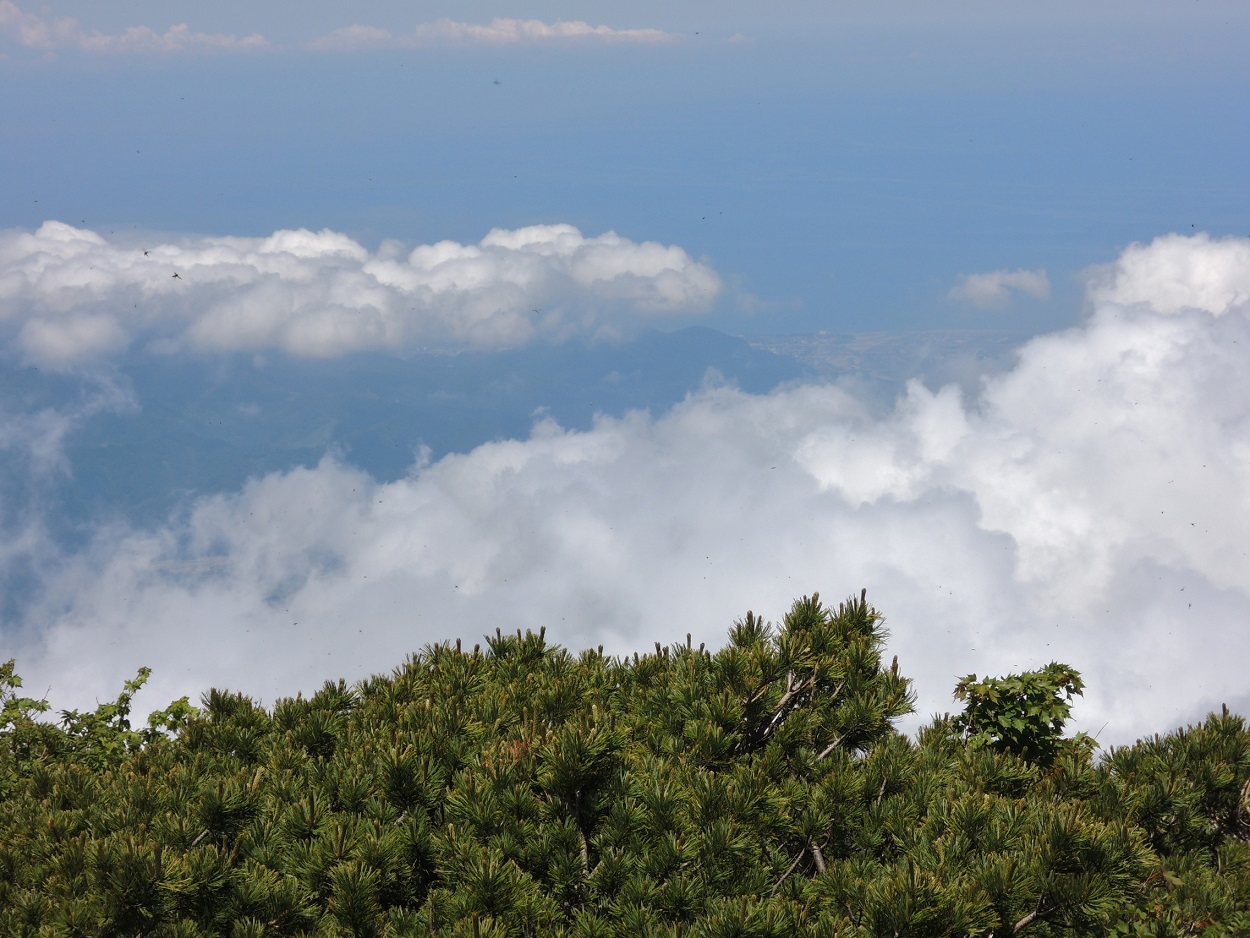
(69, 294)
(1089, 505)
(1178, 272)
(995, 289)
(39, 33)
(498, 32)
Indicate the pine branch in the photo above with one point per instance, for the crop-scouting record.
(1035, 915)
(783, 705)
(789, 700)
(585, 853)
(786, 874)
(832, 746)
(818, 857)
(1241, 820)
(581, 834)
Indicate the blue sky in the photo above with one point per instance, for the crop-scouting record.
(841, 172)
(241, 257)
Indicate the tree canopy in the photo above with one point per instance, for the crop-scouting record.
(518, 789)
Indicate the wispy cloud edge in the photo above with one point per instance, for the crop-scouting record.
(40, 34)
(49, 35)
(498, 32)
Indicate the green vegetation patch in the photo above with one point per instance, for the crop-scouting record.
(521, 790)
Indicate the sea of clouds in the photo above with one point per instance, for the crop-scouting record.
(1089, 505)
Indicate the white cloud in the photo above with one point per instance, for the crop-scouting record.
(1178, 272)
(71, 337)
(41, 33)
(1089, 506)
(499, 31)
(68, 294)
(994, 289)
(36, 32)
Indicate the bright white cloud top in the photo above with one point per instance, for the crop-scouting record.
(995, 289)
(1176, 272)
(501, 31)
(1089, 505)
(69, 294)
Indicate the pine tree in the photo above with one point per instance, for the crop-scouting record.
(517, 789)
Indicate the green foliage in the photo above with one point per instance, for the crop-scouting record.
(25, 738)
(1190, 792)
(1020, 713)
(517, 790)
(98, 739)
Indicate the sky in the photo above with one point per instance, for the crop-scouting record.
(209, 213)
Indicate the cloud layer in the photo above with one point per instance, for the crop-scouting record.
(498, 32)
(36, 32)
(995, 289)
(1090, 505)
(68, 294)
(40, 33)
